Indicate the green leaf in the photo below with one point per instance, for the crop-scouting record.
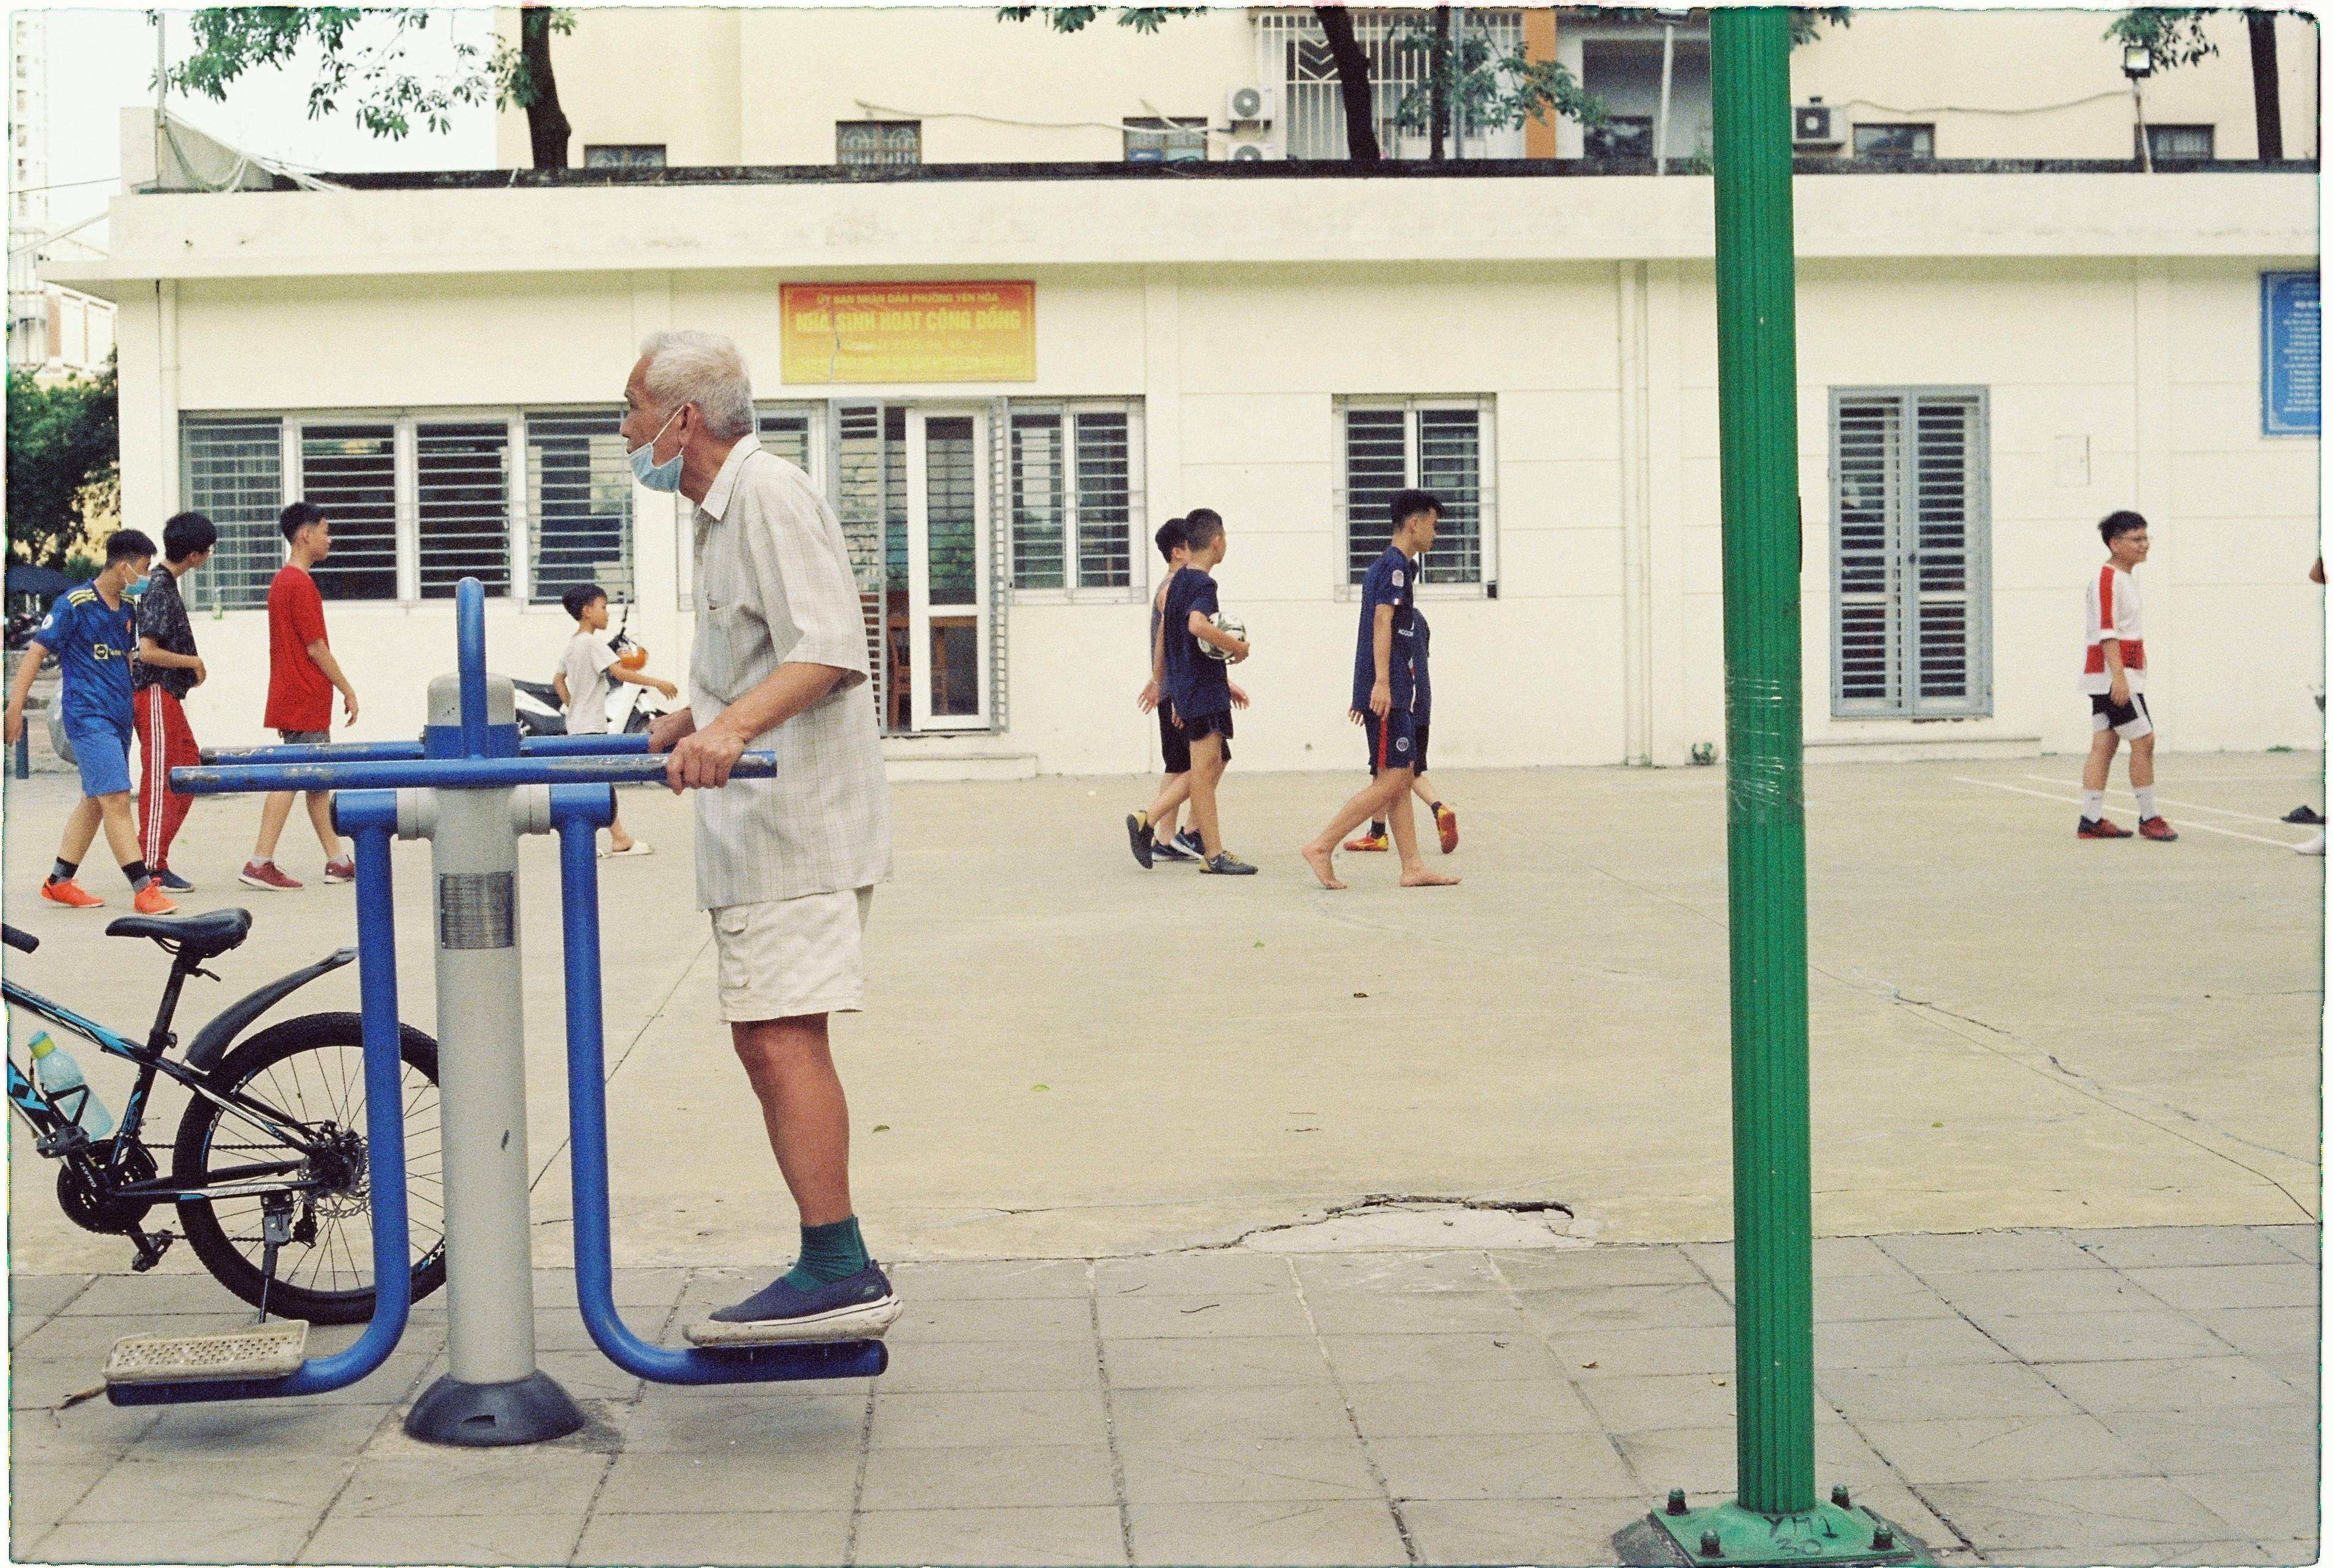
(1037, 1088)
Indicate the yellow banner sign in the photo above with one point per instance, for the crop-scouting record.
(907, 332)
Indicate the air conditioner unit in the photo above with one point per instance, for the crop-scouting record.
(1255, 152)
(1252, 106)
(1815, 123)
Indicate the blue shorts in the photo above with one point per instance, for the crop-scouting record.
(1393, 739)
(101, 751)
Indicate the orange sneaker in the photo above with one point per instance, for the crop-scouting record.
(2156, 829)
(71, 895)
(1367, 842)
(1446, 822)
(152, 899)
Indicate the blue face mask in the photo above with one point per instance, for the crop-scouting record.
(663, 477)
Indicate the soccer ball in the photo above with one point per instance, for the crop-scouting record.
(1224, 623)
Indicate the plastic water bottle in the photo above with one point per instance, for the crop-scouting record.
(56, 1073)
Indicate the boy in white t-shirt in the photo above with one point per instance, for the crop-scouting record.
(2114, 677)
(582, 682)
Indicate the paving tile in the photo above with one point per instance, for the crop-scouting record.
(1874, 1297)
(91, 1431)
(2048, 1448)
(2198, 1441)
(1996, 1293)
(2183, 1246)
(984, 1535)
(2263, 1505)
(2217, 1382)
(1569, 1312)
(1834, 1256)
(1383, 1272)
(1153, 1314)
(455, 1482)
(2104, 1336)
(39, 1494)
(770, 1481)
(1374, 1358)
(1542, 1465)
(1978, 1252)
(1645, 1352)
(670, 1541)
(2287, 1283)
(1415, 1311)
(2303, 1549)
(155, 1295)
(2305, 1242)
(1702, 1459)
(587, 1374)
(2266, 1331)
(1342, 1534)
(1007, 1279)
(40, 1294)
(175, 1539)
(2301, 1373)
(992, 1365)
(1557, 1533)
(1224, 1416)
(1166, 1364)
(554, 1289)
(1021, 1320)
(718, 1426)
(1910, 1341)
(1249, 1470)
(1460, 1409)
(484, 1540)
(71, 1337)
(2188, 1554)
(279, 1489)
(36, 1382)
(1631, 1404)
(1595, 1267)
(942, 1420)
(1194, 1273)
(1056, 1476)
(2090, 1513)
(1942, 1394)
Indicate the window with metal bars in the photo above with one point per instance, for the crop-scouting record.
(350, 470)
(1076, 498)
(1442, 445)
(1911, 547)
(578, 488)
(462, 505)
(233, 473)
(874, 143)
(1293, 53)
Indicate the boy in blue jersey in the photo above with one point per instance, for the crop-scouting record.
(1389, 684)
(1152, 831)
(1199, 685)
(94, 632)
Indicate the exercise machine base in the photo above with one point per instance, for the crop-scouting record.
(533, 1409)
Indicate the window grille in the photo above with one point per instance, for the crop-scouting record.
(2179, 143)
(952, 507)
(633, 155)
(1075, 494)
(462, 505)
(878, 143)
(1895, 141)
(232, 472)
(1156, 140)
(1294, 53)
(580, 500)
(1440, 445)
(351, 472)
(1621, 135)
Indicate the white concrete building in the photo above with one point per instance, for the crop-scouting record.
(1988, 363)
(54, 333)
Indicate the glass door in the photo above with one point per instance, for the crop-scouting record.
(948, 566)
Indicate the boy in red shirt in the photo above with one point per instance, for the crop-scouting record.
(301, 676)
(2113, 678)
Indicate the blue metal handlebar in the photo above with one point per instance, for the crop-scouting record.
(625, 745)
(470, 655)
(445, 773)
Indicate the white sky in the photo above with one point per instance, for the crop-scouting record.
(100, 61)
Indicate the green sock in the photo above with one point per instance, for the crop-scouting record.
(829, 1253)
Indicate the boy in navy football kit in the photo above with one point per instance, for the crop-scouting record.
(1445, 821)
(1199, 658)
(94, 632)
(1388, 680)
(2114, 677)
(1152, 831)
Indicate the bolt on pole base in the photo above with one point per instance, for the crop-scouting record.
(535, 1410)
(1831, 1533)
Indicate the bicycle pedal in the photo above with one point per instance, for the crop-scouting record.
(269, 1350)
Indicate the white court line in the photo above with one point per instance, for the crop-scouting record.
(2077, 800)
(2183, 805)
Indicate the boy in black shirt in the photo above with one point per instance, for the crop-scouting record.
(1199, 684)
(165, 669)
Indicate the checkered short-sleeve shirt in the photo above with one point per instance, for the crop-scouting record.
(774, 587)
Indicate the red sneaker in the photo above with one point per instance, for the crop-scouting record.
(152, 899)
(1368, 842)
(344, 869)
(2156, 829)
(2100, 828)
(71, 895)
(264, 876)
(1446, 822)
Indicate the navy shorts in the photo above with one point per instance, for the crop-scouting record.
(2130, 721)
(1396, 741)
(1174, 743)
(1208, 724)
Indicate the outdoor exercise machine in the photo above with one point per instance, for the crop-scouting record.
(1776, 1516)
(470, 787)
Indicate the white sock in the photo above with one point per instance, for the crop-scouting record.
(2146, 812)
(2094, 805)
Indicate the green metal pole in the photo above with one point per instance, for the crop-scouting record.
(1758, 452)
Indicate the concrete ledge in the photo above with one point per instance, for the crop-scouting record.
(1943, 749)
(952, 759)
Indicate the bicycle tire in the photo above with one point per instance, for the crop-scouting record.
(230, 1245)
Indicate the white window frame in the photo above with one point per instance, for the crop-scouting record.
(1486, 406)
(1141, 552)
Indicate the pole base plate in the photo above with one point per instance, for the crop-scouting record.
(1826, 1533)
(533, 1409)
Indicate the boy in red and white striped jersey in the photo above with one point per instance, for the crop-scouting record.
(2114, 676)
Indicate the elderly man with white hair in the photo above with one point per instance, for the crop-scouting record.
(786, 866)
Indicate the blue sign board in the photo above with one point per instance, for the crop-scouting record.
(2291, 359)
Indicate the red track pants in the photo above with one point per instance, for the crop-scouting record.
(164, 741)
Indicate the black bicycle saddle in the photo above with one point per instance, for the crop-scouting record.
(201, 935)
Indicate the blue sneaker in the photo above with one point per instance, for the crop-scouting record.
(859, 1307)
(1188, 843)
(1172, 849)
(171, 882)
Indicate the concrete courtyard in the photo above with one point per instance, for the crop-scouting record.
(1199, 1188)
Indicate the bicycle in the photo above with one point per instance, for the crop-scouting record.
(268, 1164)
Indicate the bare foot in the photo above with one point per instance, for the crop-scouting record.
(1322, 863)
(1422, 877)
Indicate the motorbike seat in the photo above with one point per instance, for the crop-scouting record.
(200, 936)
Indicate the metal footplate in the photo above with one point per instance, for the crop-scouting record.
(272, 1349)
(852, 1325)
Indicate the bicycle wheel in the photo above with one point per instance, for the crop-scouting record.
(311, 1071)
